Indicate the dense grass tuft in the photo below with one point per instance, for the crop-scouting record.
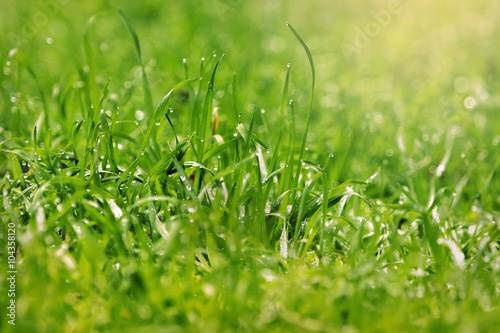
(254, 197)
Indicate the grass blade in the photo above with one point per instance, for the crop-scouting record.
(311, 98)
(148, 100)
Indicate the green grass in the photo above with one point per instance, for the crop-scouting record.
(167, 171)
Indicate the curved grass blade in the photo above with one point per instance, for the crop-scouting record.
(161, 108)
(148, 100)
(312, 206)
(205, 126)
(311, 98)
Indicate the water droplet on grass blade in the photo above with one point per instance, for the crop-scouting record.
(139, 115)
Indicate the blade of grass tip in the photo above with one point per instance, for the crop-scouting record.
(450, 138)
(109, 139)
(311, 97)
(195, 110)
(185, 63)
(63, 97)
(74, 133)
(202, 63)
(194, 107)
(285, 97)
(35, 140)
(204, 129)
(248, 138)
(291, 139)
(161, 107)
(148, 100)
(172, 126)
(104, 95)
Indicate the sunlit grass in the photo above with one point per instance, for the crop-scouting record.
(178, 175)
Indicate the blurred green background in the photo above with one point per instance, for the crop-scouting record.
(412, 77)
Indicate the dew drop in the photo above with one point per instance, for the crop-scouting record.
(139, 115)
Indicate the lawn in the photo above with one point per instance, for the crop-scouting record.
(250, 166)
